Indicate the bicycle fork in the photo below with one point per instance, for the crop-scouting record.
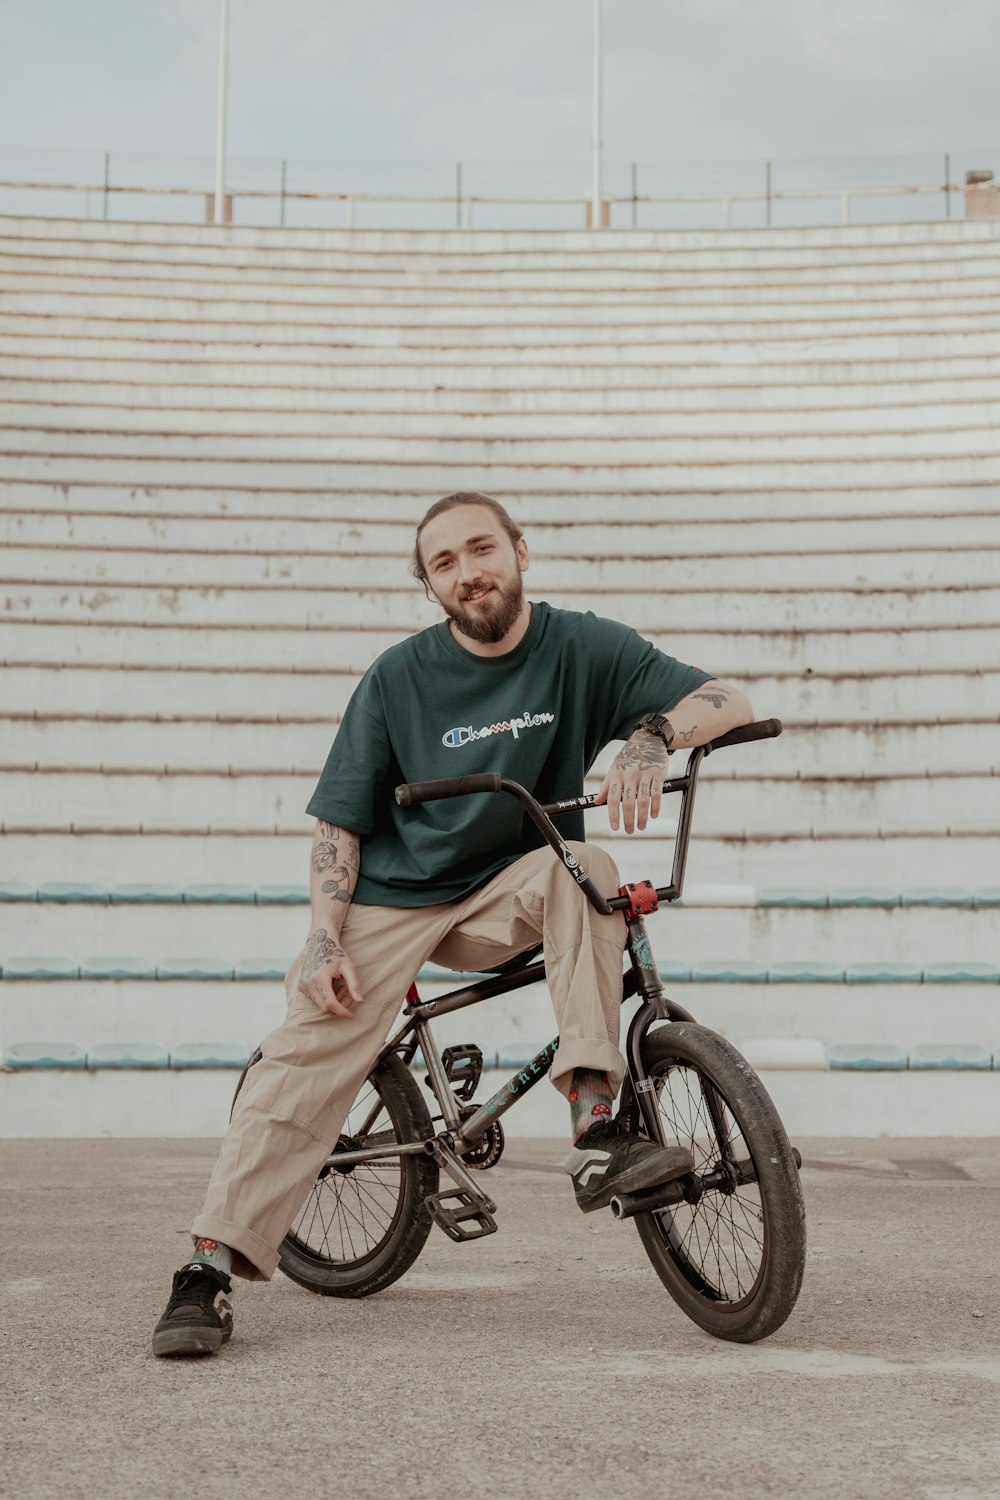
(728, 1173)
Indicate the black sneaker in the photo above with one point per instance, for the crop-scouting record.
(198, 1319)
(604, 1162)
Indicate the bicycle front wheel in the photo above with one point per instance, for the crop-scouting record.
(733, 1257)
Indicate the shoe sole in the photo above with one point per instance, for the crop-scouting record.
(642, 1175)
(175, 1341)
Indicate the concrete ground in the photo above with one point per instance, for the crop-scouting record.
(546, 1361)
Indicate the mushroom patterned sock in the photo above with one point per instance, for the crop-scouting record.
(212, 1253)
(590, 1099)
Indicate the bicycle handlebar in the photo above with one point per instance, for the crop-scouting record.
(411, 793)
(764, 729)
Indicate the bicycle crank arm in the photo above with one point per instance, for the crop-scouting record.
(460, 1174)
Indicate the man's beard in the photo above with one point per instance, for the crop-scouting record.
(489, 628)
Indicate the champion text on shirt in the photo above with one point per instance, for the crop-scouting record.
(455, 738)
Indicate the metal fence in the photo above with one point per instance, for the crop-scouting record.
(502, 195)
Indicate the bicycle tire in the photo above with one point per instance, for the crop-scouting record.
(360, 1229)
(732, 1261)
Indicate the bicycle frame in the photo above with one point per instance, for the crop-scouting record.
(643, 980)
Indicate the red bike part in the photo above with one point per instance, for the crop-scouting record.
(641, 898)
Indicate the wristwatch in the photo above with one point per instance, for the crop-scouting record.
(658, 724)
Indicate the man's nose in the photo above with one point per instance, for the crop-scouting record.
(469, 569)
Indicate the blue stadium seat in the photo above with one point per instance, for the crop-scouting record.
(674, 972)
(20, 1056)
(726, 971)
(957, 972)
(72, 890)
(194, 968)
(17, 890)
(283, 895)
(260, 968)
(950, 1055)
(146, 893)
(187, 1055)
(45, 966)
(806, 971)
(927, 896)
(864, 896)
(131, 1055)
(870, 1057)
(117, 968)
(222, 895)
(884, 973)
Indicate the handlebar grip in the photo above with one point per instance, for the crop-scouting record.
(765, 729)
(413, 792)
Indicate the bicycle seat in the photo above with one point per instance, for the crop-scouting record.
(517, 962)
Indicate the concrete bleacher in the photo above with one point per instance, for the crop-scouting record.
(775, 452)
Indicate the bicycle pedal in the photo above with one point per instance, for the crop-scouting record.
(463, 1068)
(460, 1215)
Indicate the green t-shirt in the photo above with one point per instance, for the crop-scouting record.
(539, 715)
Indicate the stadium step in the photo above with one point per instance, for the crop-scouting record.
(775, 451)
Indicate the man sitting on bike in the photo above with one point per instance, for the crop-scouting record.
(502, 685)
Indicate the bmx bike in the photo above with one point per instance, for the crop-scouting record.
(727, 1240)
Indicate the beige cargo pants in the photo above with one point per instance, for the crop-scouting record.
(294, 1101)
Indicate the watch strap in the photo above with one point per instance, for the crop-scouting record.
(660, 725)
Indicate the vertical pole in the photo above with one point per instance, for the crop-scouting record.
(107, 180)
(220, 125)
(284, 184)
(768, 181)
(597, 145)
(947, 184)
(458, 195)
(635, 194)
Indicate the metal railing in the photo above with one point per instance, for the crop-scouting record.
(502, 195)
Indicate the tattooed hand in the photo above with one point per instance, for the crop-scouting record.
(634, 784)
(327, 975)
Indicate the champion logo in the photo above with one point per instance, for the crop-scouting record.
(465, 734)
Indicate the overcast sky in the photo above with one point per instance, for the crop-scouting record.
(495, 79)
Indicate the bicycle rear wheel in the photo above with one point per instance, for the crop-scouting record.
(361, 1227)
(733, 1258)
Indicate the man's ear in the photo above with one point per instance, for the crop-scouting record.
(522, 555)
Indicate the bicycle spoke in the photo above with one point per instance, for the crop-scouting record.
(349, 1213)
(717, 1241)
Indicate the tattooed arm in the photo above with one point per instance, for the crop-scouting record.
(634, 784)
(328, 977)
